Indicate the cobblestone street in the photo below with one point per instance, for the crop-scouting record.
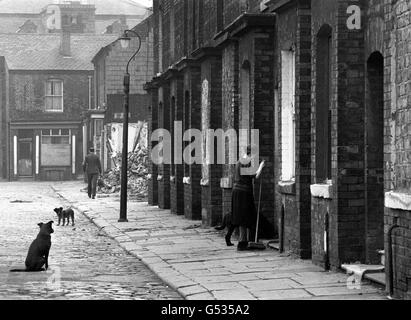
(83, 264)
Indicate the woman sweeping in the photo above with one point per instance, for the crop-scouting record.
(244, 212)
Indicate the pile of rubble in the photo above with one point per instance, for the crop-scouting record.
(137, 175)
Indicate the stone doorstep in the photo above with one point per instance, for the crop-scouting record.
(365, 271)
(378, 278)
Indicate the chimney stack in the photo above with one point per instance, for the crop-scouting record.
(65, 48)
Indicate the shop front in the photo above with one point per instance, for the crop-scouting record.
(45, 151)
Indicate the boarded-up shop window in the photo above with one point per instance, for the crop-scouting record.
(288, 115)
(55, 147)
(54, 96)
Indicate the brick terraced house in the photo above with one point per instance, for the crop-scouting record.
(327, 83)
(108, 114)
(46, 84)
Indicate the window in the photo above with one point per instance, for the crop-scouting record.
(55, 136)
(98, 127)
(288, 115)
(54, 95)
(55, 147)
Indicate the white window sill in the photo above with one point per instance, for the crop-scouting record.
(286, 187)
(322, 191)
(398, 201)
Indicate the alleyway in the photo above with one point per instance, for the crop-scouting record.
(196, 262)
(84, 263)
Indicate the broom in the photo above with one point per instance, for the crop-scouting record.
(258, 245)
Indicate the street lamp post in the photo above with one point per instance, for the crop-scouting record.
(125, 42)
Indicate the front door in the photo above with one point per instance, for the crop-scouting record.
(25, 157)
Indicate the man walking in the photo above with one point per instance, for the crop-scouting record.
(92, 167)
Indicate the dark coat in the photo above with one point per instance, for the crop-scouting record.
(92, 164)
(244, 212)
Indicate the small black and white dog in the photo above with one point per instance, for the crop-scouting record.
(65, 214)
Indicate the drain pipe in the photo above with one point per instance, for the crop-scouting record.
(390, 256)
(282, 229)
(327, 242)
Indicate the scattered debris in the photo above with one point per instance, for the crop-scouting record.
(137, 176)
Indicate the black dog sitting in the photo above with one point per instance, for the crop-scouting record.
(38, 255)
(227, 223)
(65, 214)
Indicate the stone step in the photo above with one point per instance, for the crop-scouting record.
(272, 243)
(360, 270)
(378, 278)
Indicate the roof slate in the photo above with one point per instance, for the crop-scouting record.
(42, 51)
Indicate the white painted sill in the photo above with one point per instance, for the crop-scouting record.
(322, 190)
(286, 187)
(398, 201)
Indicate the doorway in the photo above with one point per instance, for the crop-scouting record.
(374, 158)
(25, 154)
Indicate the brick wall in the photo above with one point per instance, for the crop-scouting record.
(211, 193)
(374, 130)
(110, 68)
(27, 95)
(346, 209)
(152, 126)
(293, 204)
(230, 115)
(192, 191)
(164, 123)
(397, 147)
(263, 120)
(177, 186)
(180, 24)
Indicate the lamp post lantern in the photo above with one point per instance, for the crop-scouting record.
(125, 42)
